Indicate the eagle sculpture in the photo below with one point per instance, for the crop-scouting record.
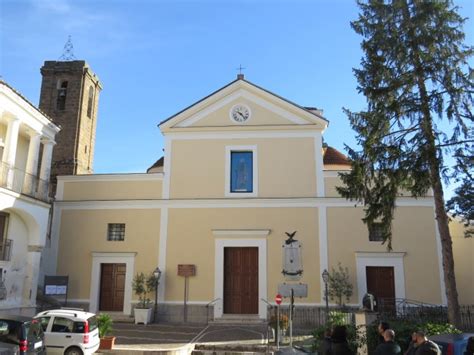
(290, 239)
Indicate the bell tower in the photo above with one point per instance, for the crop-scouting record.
(70, 96)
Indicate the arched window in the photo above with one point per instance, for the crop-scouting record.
(90, 101)
(62, 93)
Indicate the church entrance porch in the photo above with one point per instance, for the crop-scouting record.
(112, 287)
(240, 288)
(240, 280)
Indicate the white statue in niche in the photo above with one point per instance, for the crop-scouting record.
(292, 261)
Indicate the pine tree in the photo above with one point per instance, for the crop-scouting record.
(415, 77)
(462, 204)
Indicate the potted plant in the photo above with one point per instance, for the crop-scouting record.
(104, 323)
(284, 322)
(142, 285)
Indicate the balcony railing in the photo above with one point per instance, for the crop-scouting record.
(6, 250)
(24, 183)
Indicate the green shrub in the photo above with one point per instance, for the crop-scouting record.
(104, 323)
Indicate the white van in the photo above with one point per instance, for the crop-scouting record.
(69, 331)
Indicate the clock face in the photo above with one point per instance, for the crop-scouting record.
(240, 113)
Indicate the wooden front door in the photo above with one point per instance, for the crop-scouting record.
(112, 287)
(381, 284)
(241, 280)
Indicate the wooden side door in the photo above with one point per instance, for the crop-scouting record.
(241, 280)
(112, 287)
(381, 283)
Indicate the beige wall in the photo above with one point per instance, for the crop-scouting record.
(85, 231)
(286, 167)
(190, 241)
(463, 250)
(330, 184)
(413, 233)
(112, 190)
(259, 116)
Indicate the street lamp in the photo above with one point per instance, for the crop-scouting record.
(325, 276)
(157, 275)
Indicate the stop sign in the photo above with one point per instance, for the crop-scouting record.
(278, 299)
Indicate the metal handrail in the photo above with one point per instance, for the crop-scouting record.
(22, 182)
(207, 308)
(213, 301)
(268, 303)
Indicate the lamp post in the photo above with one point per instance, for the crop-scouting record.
(325, 276)
(157, 275)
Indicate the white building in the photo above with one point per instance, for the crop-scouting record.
(27, 138)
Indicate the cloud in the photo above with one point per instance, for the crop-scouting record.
(57, 6)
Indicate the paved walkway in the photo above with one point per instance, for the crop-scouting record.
(181, 339)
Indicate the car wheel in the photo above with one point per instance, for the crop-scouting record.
(73, 351)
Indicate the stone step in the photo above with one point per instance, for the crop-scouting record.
(239, 319)
(119, 317)
(201, 349)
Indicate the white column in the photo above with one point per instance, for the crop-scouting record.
(9, 152)
(45, 169)
(31, 181)
(33, 154)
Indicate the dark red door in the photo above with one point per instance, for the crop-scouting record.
(381, 284)
(241, 280)
(112, 287)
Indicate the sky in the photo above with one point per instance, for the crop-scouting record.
(155, 58)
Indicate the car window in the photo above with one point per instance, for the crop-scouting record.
(44, 321)
(33, 330)
(79, 327)
(62, 325)
(92, 323)
(4, 328)
(10, 331)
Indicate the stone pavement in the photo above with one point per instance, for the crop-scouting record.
(182, 338)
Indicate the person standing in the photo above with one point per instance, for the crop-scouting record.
(412, 346)
(425, 346)
(389, 346)
(326, 345)
(381, 328)
(339, 341)
(470, 346)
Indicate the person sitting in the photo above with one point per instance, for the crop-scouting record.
(425, 346)
(389, 346)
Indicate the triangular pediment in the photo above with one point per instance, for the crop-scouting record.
(263, 109)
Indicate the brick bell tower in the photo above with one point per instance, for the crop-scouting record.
(70, 96)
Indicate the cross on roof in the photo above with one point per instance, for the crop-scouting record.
(240, 68)
(68, 51)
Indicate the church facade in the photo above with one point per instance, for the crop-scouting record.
(241, 168)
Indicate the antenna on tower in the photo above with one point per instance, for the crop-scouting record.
(68, 51)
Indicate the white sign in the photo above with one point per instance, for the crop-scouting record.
(299, 290)
(292, 263)
(61, 290)
(51, 289)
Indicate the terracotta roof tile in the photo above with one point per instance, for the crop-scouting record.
(157, 164)
(334, 157)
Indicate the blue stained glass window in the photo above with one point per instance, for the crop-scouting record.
(241, 175)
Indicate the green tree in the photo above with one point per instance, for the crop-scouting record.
(339, 285)
(462, 204)
(414, 75)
